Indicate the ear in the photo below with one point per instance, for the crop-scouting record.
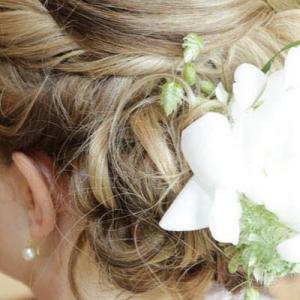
(38, 199)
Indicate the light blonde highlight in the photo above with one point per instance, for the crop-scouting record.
(81, 82)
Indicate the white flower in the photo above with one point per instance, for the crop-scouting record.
(221, 93)
(254, 151)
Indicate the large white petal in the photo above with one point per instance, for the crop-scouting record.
(292, 68)
(284, 190)
(225, 216)
(272, 93)
(190, 210)
(221, 93)
(249, 83)
(260, 135)
(255, 187)
(208, 147)
(289, 249)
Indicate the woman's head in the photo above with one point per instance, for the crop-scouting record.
(89, 159)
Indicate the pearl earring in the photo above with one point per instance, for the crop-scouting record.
(30, 252)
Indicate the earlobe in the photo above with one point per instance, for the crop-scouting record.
(41, 212)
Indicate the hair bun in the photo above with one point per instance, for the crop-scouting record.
(280, 5)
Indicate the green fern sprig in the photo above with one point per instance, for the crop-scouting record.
(256, 254)
(173, 92)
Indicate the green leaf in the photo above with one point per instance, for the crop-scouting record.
(252, 294)
(171, 96)
(234, 263)
(207, 87)
(189, 73)
(192, 44)
(261, 233)
(230, 250)
(266, 68)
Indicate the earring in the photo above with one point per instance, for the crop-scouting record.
(30, 252)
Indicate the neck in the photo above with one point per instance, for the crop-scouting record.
(49, 277)
(49, 280)
(56, 287)
(53, 284)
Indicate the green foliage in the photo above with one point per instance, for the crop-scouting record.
(192, 44)
(261, 233)
(173, 92)
(171, 96)
(189, 73)
(266, 68)
(207, 87)
(252, 294)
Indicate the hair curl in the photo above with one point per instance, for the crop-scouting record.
(80, 81)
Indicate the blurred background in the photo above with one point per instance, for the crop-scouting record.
(288, 289)
(12, 290)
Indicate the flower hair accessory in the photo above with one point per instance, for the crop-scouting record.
(246, 171)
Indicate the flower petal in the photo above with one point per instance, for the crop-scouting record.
(190, 210)
(249, 83)
(225, 216)
(273, 92)
(255, 187)
(221, 93)
(283, 183)
(292, 69)
(289, 249)
(208, 147)
(260, 135)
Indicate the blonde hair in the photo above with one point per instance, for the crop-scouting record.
(80, 81)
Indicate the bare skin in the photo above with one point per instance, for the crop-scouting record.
(30, 208)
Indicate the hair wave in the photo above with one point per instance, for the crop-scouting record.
(80, 80)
